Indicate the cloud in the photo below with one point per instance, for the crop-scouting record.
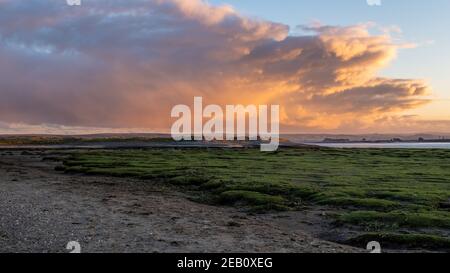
(125, 64)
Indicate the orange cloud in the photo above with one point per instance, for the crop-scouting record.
(122, 64)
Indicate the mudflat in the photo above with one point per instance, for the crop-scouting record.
(41, 210)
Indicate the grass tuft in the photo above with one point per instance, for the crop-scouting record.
(410, 241)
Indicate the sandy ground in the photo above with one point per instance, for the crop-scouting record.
(41, 210)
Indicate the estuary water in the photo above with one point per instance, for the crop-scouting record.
(402, 145)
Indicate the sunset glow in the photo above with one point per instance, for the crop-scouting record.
(120, 66)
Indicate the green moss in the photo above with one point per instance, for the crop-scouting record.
(255, 199)
(359, 202)
(183, 180)
(391, 189)
(400, 218)
(410, 241)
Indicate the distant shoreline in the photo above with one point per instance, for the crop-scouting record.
(385, 145)
(142, 141)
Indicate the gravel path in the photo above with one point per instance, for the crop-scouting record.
(41, 210)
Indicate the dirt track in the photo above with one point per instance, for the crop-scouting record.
(41, 210)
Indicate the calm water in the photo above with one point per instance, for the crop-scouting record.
(422, 145)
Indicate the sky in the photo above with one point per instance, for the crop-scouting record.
(120, 66)
(421, 22)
